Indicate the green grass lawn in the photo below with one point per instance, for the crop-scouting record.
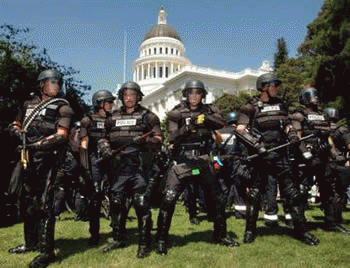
(191, 245)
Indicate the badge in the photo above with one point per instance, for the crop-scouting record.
(312, 117)
(270, 108)
(100, 125)
(125, 123)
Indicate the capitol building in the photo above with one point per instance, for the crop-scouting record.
(162, 69)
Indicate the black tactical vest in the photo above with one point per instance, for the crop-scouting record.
(270, 119)
(127, 126)
(199, 140)
(316, 122)
(45, 123)
(96, 130)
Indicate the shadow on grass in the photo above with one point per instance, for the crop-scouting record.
(70, 247)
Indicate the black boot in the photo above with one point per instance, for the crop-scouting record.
(118, 232)
(30, 238)
(220, 233)
(46, 244)
(164, 221)
(94, 223)
(250, 230)
(333, 216)
(300, 231)
(145, 227)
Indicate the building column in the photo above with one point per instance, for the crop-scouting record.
(156, 74)
(137, 73)
(172, 68)
(149, 70)
(142, 71)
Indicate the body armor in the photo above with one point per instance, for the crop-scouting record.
(96, 131)
(270, 120)
(316, 122)
(125, 126)
(200, 137)
(45, 122)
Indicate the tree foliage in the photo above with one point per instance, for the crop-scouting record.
(326, 53)
(281, 55)
(232, 103)
(20, 65)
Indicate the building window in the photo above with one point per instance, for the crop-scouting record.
(172, 51)
(155, 51)
(166, 50)
(144, 73)
(154, 72)
(160, 50)
(160, 72)
(149, 52)
(166, 72)
(177, 52)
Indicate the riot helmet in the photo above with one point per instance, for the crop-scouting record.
(130, 85)
(332, 113)
(307, 95)
(194, 84)
(52, 74)
(231, 118)
(100, 97)
(265, 79)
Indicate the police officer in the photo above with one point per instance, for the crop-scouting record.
(311, 120)
(340, 155)
(44, 124)
(268, 116)
(134, 139)
(231, 152)
(190, 127)
(92, 130)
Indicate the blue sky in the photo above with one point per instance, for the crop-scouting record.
(226, 35)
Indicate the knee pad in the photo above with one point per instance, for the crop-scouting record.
(169, 199)
(117, 201)
(141, 204)
(295, 197)
(253, 196)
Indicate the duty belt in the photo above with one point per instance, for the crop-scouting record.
(193, 146)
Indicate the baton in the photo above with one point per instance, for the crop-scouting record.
(281, 146)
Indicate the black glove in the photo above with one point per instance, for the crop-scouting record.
(105, 150)
(138, 140)
(242, 171)
(270, 156)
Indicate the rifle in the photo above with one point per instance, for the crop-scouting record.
(280, 146)
(121, 148)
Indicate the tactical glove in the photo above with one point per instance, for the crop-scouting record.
(138, 140)
(105, 150)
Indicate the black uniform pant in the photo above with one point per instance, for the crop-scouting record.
(130, 180)
(330, 187)
(180, 175)
(36, 202)
(280, 168)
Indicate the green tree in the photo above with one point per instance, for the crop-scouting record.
(231, 103)
(20, 65)
(293, 76)
(326, 52)
(281, 55)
